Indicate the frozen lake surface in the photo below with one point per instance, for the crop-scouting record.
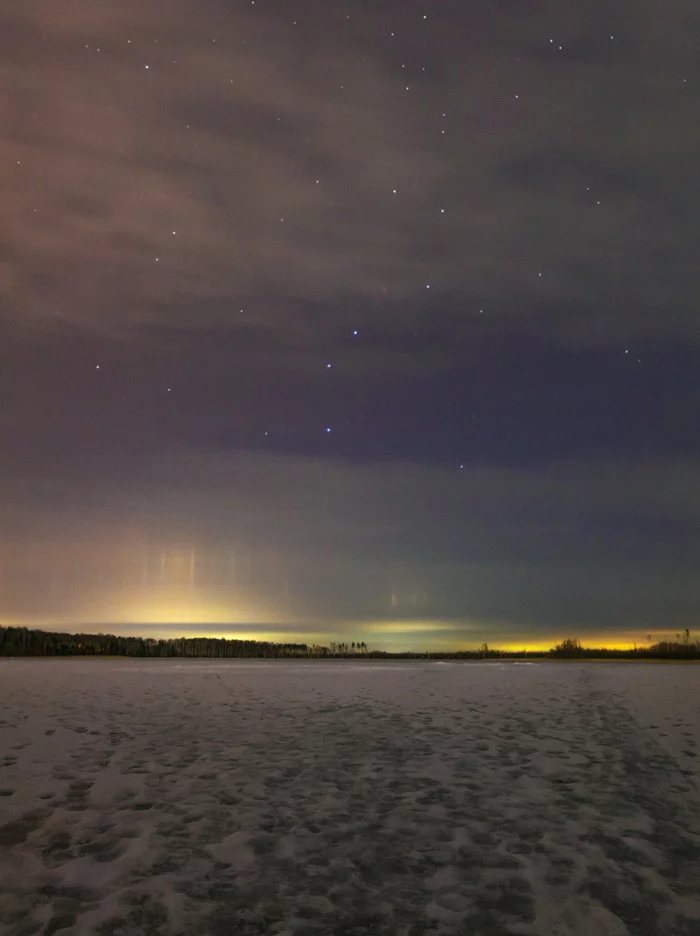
(240, 798)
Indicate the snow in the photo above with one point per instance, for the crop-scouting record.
(149, 797)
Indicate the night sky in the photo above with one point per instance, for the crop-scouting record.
(351, 320)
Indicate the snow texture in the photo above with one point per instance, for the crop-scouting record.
(163, 797)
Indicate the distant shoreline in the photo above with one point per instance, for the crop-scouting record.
(388, 658)
(22, 642)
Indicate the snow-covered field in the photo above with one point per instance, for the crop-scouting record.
(143, 797)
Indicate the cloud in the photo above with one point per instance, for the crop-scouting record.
(276, 170)
(594, 546)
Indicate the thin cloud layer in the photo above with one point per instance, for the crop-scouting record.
(553, 187)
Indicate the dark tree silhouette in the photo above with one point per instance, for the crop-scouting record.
(21, 641)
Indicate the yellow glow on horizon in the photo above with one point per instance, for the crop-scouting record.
(412, 627)
(611, 640)
(173, 611)
(183, 605)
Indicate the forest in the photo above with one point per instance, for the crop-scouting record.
(25, 642)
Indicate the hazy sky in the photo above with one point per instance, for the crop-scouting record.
(362, 320)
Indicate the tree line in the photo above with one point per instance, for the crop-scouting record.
(22, 641)
(682, 647)
(26, 642)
